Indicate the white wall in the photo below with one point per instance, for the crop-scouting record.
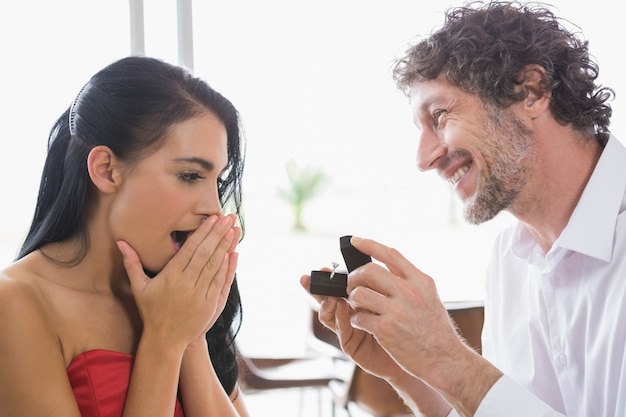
(312, 81)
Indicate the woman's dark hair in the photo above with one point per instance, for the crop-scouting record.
(128, 106)
(483, 48)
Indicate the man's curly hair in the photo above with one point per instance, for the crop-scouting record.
(483, 48)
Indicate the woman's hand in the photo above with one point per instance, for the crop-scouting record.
(183, 301)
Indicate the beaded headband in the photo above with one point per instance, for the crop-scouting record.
(72, 115)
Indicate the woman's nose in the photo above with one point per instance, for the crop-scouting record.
(209, 202)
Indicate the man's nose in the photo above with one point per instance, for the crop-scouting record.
(430, 149)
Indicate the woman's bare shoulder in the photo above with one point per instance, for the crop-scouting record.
(25, 315)
(21, 306)
(31, 359)
(18, 288)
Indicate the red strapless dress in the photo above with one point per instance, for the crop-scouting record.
(100, 379)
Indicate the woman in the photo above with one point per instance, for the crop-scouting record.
(129, 264)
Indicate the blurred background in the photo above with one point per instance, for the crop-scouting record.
(330, 141)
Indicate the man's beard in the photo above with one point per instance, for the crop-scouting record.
(508, 152)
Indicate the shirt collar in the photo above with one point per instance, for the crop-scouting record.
(591, 227)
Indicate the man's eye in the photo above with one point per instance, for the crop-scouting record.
(190, 176)
(437, 115)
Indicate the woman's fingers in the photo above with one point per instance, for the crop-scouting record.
(227, 274)
(203, 253)
(218, 290)
(190, 292)
(132, 264)
(218, 261)
(236, 238)
(204, 243)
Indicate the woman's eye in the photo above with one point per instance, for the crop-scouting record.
(190, 176)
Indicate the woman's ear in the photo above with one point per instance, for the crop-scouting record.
(104, 169)
(532, 79)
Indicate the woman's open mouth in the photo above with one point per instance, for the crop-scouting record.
(179, 238)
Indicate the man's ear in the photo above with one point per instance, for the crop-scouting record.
(104, 169)
(532, 79)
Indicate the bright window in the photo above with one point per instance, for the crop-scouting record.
(312, 82)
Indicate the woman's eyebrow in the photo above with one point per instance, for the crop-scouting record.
(207, 165)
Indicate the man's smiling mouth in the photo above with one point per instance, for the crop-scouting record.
(454, 178)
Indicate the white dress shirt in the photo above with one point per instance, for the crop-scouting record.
(555, 323)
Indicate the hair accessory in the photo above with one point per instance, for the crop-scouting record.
(72, 115)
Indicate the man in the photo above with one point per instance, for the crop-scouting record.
(508, 112)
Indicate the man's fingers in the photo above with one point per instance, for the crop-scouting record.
(327, 312)
(367, 298)
(395, 261)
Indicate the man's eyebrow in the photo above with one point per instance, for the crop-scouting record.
(207, 165)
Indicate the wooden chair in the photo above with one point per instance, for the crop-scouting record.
(375, 395)
(469, 317)
(371, 394)
(260, 374)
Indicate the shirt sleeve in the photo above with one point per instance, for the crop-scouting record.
(507, 398)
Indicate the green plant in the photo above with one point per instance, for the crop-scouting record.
(304, 184)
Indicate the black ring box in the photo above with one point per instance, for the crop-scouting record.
(321, 281)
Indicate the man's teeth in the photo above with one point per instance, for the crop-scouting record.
(458, 174)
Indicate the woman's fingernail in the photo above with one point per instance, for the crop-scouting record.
(121, 247)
